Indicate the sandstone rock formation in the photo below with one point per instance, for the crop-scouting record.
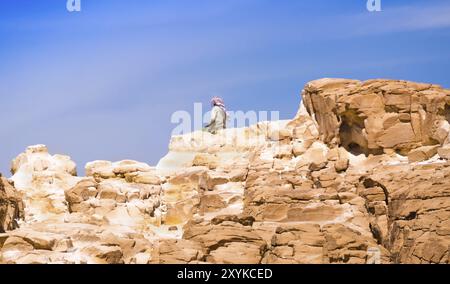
(105, 217)
(41, 179)
(11, 206)
(360, 175)
(379, 115)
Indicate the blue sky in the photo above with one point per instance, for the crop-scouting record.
(103, 83)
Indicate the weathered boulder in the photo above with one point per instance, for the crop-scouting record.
(73, 242)
(37, 159)
(341, 160)
(227, 240)
(172, 251)
(422, 153)
(11, 206)
(375, 115)
(126, 168)
(41, 179)
(301, 244)
(116, 201)
(418, 208)
(444, 152)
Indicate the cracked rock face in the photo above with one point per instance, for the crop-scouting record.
(418, 211)
(360, 175)
(378, 115)
(11, 206)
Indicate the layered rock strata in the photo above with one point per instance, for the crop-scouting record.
(360, 175)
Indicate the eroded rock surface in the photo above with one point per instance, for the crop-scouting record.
(11, 206)
(106, 217)
(378, 115)
(360, 175)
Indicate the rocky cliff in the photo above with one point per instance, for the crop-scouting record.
(360, 175)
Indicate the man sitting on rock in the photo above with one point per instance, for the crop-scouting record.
(218, 116)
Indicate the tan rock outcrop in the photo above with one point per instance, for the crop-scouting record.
(358, 176)
(75, 243)
(444, 152)
(104, 218)
(41, 179)
(11, 206)
(422, 153)
(375, 115)
(418, 208)
(173, 251)
(227, 239)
